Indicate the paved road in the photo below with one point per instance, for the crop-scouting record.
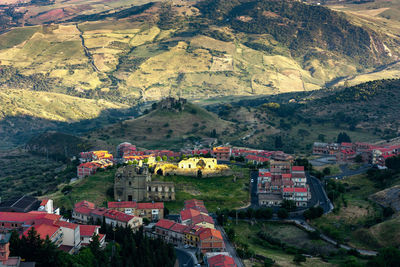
(185, 258)
(253, 189)
(318, 194)
(230, 248)
(347, 172)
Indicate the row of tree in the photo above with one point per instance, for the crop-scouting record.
(125, 248)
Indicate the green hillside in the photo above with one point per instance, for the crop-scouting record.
(167, 127)
(148, 52)
(24, 113)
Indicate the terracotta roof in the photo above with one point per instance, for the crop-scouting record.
(202, 218)
(122, 204)
(118, 216)
(155, 205)
(85, 203)
(295, 189)
(27, 217)
(67, 224)
(88, 230)
(179, 228)
(44, 202)
(43, 230)
(221, 261)
(165, 224)
(83, 210)
(208, 232)
(196, 205)
(188, 214)
(99, 211)
(298, 168)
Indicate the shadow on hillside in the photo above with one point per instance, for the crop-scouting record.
(18, 130)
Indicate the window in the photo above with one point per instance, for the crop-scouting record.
(129, 197)
(130, 183)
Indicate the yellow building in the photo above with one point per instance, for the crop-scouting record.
(198, 163)
(191, 237)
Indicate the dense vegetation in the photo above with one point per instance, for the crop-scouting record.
(125, 248)
(26, 174)
(294, 24)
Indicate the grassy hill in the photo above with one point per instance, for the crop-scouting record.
(367, 112)
(357, 219)
(125, 53)
(167, 127)
(24, 113)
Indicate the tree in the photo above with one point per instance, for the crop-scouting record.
(393, 163)
(268, 262)
(343, 138)
(321, 137)
(358, 159)
(164, 158)
(278, 142)
(303, 133)
(299, 258)
(387, 257)
(250, 213)
(313, 212)
(326, 171)
(289, 205)
(231, 234)
(283, 213)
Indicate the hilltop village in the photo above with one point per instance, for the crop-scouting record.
(278, 182)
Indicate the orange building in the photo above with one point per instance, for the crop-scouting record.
(222, 153)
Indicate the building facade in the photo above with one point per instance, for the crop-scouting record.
(134, 183)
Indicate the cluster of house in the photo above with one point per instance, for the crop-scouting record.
(367, 153)
(126, 153)
(85, 212)
(67, 236)
(93, 160)
(195, 229)
(282, 181)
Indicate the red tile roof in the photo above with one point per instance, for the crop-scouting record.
(179, 228)
(188, 214)
(83, 210)
(295, 189)
(298, 168)
(88, 230)
(67, 224)
(202, 218)
(99, 211)
(208, 232)
(165, 224)
(221, 261)
(155, 205)
(196, 205)
(118, 216)
(44, 202)
(122, 204)
(43, 230)
(85, 203)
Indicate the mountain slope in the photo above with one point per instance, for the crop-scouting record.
(187, 49)
(24, 113)
(168, 126)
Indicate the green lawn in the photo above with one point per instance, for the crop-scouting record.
(349, 223)
(246, 233)
(217, 192)
(92, 188)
